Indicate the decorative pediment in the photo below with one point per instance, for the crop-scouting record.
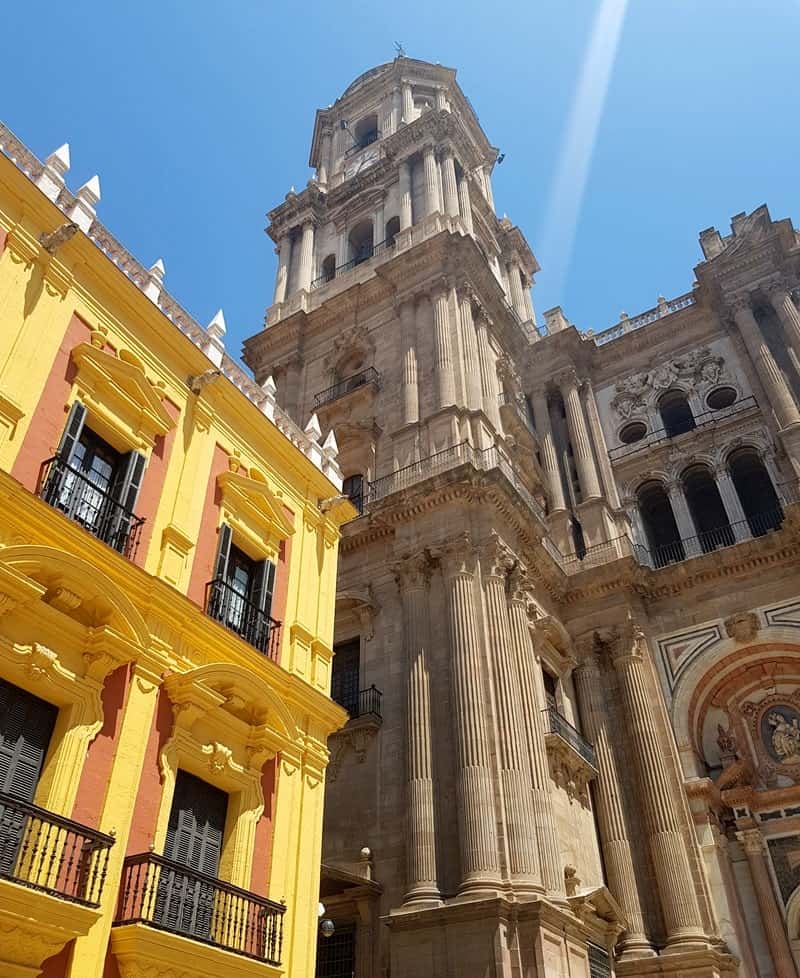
(120, 397)
(255, 513)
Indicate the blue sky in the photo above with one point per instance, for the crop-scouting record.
(197, 117)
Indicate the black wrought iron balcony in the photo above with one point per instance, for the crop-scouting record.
(47, 852)
(160, 893)
(363, 254)
(346, 386)
(559, 725)
(236, 612)
(75, 494)
(366, 702)
(756, 525)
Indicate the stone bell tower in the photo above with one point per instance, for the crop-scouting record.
(401, 321)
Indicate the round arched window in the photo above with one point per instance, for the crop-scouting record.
(720, 398)
(632, 432)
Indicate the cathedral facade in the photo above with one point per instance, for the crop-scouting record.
(568, 613)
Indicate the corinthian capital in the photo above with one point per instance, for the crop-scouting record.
(740, 303)
(567, 379)
(458, 555)
(752, 841)
(413, 571)
(628, 642)
(518, 583)
(496, 558)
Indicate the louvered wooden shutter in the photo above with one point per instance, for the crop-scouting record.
(72, 431)
(223, 552)
(26, 726)
(263, 586)
(125, 492)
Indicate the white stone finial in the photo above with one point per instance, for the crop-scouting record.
(269, 386)
(330, 448)
(51, 179)
(214, 347)
(155, 280)
(269, 403)
(86, 199)
(58, 160)
(216, 327)
(157, 269)
(90, 191)
(312, 429)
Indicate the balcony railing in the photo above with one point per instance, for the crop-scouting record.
(73, 493)
(701, 422)
(368, 376)
(631, 323)
(364, 254)
(366, 702)
(756, 525)
(236, 612)
(46, 852)
(559, 725)
(160, 893)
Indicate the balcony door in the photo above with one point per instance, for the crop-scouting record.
(26, 726)
(186, 896)
(345, 675)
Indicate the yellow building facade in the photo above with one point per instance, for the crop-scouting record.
(168, 549)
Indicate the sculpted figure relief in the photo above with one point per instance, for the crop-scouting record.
(785, 737)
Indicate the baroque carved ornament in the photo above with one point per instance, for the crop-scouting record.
(699, 369)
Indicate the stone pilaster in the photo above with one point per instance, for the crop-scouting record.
(449, 183)
(515, 778)
(282, 276)
(413, 579)
(480, 869)
(526, 666)
(404, 181)
(469, 344)
(465, 204)
(407, 100)
(579, 435)
(544, 430)
(661, 811)
(442, 347)
(306, 256)
(771, 915)
(613, 830)
(777, 390)
(324, 158)
(408, 340)
(489, 387)
(430, 169)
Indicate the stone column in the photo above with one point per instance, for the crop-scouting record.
(789, 316)
(777, 390)
(526, 295)
(771, 915)
(431, 180)
(408, 340)
(342, 247)
(397, 108)
(617, 855)
(599, 441)
(324, 157)
(379, 232)
(404, 186)
(464, 204)
(282, 278)
(480, 868)
(449, 182)
(469, 344)
(730, 500)
(486, 172)
(515, 284)
(661, 811)
(306, 256)
(413, 579)
(442, 348)
(511, 741)
(526, 667)
(439, 96)
(579, 436)
(683, 519)
(544, 432)
(408, 100)
(489, 386)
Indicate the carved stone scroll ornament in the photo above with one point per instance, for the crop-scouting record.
(699, 369)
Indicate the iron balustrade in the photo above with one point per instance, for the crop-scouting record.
(756, 525)
(366, 140)
(365, 702)
(701, 421)
(631, 323)
(47, 852)
(559, 725)
(73, 493)
(364, 255)
(169, 896)
(238, 613)
(367, 376)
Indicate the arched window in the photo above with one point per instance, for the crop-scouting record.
(366, 131)
(328, 268)
(392, 227)
(707, 509)
(676, 415)
(353, 488)
(755, 490)
(659, 524)
(361, 244)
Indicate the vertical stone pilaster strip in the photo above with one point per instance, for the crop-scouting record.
(544, 431)
(614, 840)
(480, 868)
(469, 342)
(512, 749)
(550, 866)
(442, 347)
(579, 436)
(408, 339)
(413, 578)
(673, 875)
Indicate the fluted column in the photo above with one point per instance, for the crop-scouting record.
(306, 256)
(683, 519)
(431, 180)
(526, 294)
(544, 431)
(408, 340)
(579, 436)
(407, 99)
(599, 441)
(442, 349)
(342, 247)
(662, 827)
(404, 172)
(413, 578)
(789, 316)
(449, 183)
(490, 391)
(617, 855)
(511, 740)
(439, 96)
(480, 868)
(771, 916)
(486, 173)
(324, 157)
(469, 344)
(777, 390)
(526, 667)
(465, 204)
(282, 276)
(515, 284)
(397, 108)
(731, 502)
